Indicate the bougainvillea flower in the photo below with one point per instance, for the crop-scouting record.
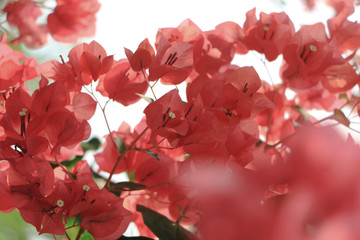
(15, 67)
(28, 174)
(63, 73)
(211, 52)
(142, 57)
(173, 62)
(17, 106)
(46, 213)
(23, 15)
(106, 218)
(344, 34)
(89, 61)
(150, 171)
(320, 98)
(221, 189)
(313, 161)
(108, 157)
(7, 53)
(340, 78)
(307, 56)
(64, 130)
(122, 84)
(73, 19)
(166, 116)
(6, 202)
(187, 31)
(283, 126)
(93, 61)
(233, 33)
(269, 35)
(49, 98)
(84, 106)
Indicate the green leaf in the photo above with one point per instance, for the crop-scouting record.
(340, 117)
(148, 99)
(71, 163)
(71, 231)
(126, 186)
(121, 147)
(132, 176)
(86, 236)
(93, 144)
(155, 155)
(162, 227)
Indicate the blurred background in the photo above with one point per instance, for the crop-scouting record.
(125, 24)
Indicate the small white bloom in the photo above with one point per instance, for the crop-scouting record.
(313, 48)
(172, 115)
(60, 203)
(23, 112)
(86, 188)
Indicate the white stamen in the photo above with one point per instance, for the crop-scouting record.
(23, 112)
(313, 48)
(60, 203)
(172, 115)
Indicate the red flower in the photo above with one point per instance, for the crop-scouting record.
(269, 35)
(187, 31)
(87, 62)
(73, 19)
(64, 130)
(213, 51)
(106, 218)
(142, 57)
(15, 68)
(122, 84)
(108, 157)
(6, 201)
(46, 213)
(24, 14)
(307, 56)
(233, 33)
(166, 117)
(84, 106)
(90, 61)
(173, 62)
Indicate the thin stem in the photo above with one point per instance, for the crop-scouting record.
(147, 80)
(266, 68)
(268, 72)
(324, 119)
(67, 235)
(122, 155)
(155, 83)
(63, 168)
(156, 145)
(82, 229)
(270, 118)
(352, 109)
(102, 110)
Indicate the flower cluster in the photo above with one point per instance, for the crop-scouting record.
(70, 20)
(237, 159)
